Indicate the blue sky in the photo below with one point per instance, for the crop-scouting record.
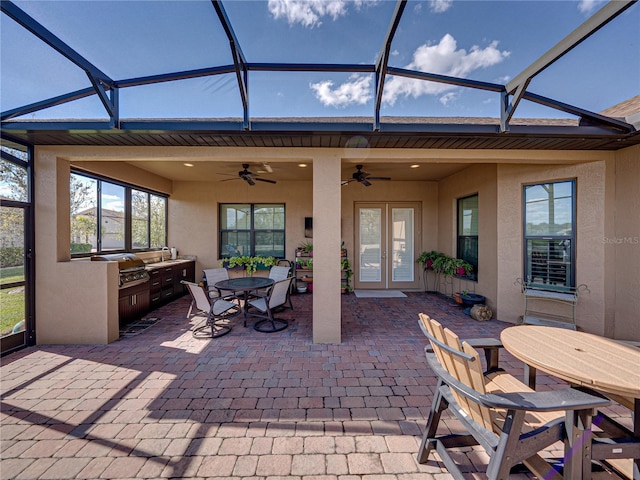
(480, 40)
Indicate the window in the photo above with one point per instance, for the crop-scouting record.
(252, 229)
(108, 216)
(468, 231)
(549, 234)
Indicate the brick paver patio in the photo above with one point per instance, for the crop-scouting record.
(162, 404)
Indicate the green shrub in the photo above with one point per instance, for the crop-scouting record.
(11, 256)
(80, 248)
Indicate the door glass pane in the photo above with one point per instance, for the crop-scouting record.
(112, 216)
(370, 245)
(139, 219)
(84, 209)
(402, 245)
(12, 271)
(158, 223)
(13, 181)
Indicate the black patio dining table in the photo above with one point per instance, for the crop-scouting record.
(244, 285)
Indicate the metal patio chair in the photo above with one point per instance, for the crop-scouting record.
(263, 307)
(509, 420)
(217, 310)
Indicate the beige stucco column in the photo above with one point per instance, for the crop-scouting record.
(327, 238)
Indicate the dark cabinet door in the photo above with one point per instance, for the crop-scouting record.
(133, 303)
(186, 272)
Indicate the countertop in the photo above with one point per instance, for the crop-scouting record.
(166, 263)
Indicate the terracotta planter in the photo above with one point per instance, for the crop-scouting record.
(458, 298)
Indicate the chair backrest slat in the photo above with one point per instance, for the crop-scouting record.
(467, 371)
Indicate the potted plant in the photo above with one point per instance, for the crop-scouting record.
(249, 264)
(426, 259)
(461, 267)
(234, 263)
(259, 263)
(441, 264)
(305, 248)
(345, 266)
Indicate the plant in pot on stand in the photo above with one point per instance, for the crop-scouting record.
(426, 261)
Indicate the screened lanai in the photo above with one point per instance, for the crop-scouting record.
(448, 99)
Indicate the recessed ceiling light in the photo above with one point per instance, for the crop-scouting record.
(302, 165)
(188, 164)
(415, 165)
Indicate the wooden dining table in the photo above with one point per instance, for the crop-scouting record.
(591, 361)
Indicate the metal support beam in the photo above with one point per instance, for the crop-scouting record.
(51, 102)
(434, 77)
(238, 60)
(10, 9)
(580, 112)
(383, 60)
(518, 85)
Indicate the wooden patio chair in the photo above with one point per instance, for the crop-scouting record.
(217, 311)
(509, 420)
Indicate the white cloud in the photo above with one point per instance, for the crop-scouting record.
(443, 58)
(448, 98)
(440, 6)
(588, 6)
(309, 13)
(355, 91)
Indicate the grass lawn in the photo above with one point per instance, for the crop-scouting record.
(11, 274)
(11, 308)
(11, 299)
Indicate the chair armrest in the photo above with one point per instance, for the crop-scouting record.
(490, 346)
(554, 400)
(547, 401)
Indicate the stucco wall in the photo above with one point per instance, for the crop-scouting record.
(626, 245)
(590, 249)
(481, 180)
(77, 300)
(193, 214)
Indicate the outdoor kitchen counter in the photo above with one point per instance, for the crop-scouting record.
(166, 277)
(166, 263)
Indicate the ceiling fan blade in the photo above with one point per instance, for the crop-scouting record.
(264, 180)
(229, 179)
(365, 182)
(249, 180)
(378, 178)
(227, 174)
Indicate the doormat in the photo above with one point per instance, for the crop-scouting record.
(134, 328)
(379, 294)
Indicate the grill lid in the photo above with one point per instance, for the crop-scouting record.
(127, 262)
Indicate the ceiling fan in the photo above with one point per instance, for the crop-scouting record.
(249, 177)
(362, 177)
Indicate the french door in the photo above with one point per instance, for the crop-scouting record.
(386, 236)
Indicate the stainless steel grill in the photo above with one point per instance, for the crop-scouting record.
(131, 267)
